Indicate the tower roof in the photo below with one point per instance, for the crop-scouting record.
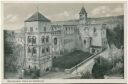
(37, 17)
(83, 11)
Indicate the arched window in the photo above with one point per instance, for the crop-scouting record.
(34, 50)
(29, 50)
(47, 49)
(29, 67)
(47, 39)
(43, 50)
(42, 39)
(34, 40)
(29, 39)
(55, 41)
(84, 41)
(93, 50)
(94, 29)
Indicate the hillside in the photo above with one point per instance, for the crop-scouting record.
(107, 20)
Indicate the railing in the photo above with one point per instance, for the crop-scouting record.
(86, 60)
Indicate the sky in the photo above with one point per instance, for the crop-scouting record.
(16, 13)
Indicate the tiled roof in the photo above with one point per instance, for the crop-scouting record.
(37, 17)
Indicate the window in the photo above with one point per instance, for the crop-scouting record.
(43, 50)
(29, 50)
(52, 29)
(93, 50)
(47, 49)
(55, 41)
(47, 39)
(31, 29)
(84, 41)
(43, 39)
(80, 15)
(35, 67)
(94, 29)
(66, 29)
(44, 28)
(34, 40)
(29, 39)
(34, 50)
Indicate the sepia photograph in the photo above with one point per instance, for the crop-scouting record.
(63, 40)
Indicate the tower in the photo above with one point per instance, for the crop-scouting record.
(84, 30)
(37, 40)
(83, 16)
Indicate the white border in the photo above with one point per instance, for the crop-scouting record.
(67, 80)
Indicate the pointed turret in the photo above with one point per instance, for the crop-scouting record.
(83, 11)
(83, 16)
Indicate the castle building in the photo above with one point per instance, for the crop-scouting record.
(45, 39)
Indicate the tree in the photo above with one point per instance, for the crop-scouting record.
(119, 36)
(100, 68)
(116, 36)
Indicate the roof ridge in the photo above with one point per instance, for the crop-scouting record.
(37, 16)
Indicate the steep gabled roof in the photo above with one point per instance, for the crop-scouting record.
(37, 17)
(83, 11)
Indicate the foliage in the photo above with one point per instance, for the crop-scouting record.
(11, 52)
(116, 36)
(101, 67)
(119, 37)
(8, 49)
(71, 59)
(117, 65)
(118, 69)
(32, 72)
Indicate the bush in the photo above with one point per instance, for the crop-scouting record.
(32, 72)
(117, 63)
(118, 68)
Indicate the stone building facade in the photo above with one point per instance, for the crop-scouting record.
(45, 39)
